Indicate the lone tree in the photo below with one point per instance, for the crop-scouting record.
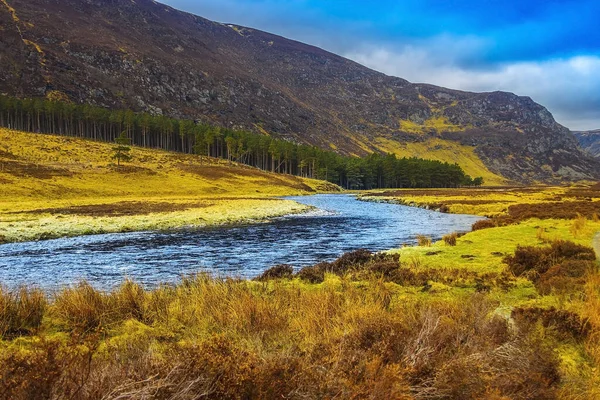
(122, 149)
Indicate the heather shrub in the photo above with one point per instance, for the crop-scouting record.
(282, 271)
(561, 267)
(314, 273)
(565, 324)
(351, 260)
(483, 224)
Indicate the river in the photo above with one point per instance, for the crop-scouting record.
(341, 223)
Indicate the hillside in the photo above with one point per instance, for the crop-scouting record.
(55, 186)
(589, 141)
(149, 57)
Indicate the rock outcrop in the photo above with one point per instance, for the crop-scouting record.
(144, 55)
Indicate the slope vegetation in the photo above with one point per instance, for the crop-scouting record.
(55, 186)
(146, 56)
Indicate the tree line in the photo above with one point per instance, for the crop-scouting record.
(260, 151)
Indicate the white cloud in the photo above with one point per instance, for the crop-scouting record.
(569, 88)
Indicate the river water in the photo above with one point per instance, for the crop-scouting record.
(341, 223)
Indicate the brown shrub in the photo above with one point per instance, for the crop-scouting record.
(566, 324)
(313, 274)
(540, 259)
(555, 210)
(282, 271)
(483, 224)
(423, 241)
(351, 260)
(21, 311)
(565, 277)
(49, 370)
(450, 239)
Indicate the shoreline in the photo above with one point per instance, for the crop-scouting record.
(215, 214)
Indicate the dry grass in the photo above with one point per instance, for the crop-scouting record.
(450, 239)
(423, 241)
(374, 326)
(508, 204)
(236, 340)
(60, 186)
(21, 311)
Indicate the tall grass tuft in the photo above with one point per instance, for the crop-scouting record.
(21, 311)
(578, 225)
(450, 239)
(423, 241)
(82, 307)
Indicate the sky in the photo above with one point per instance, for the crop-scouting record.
(548, 50)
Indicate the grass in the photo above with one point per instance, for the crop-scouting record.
(509, 311)
(526, 224)
(452, 320)
(521, 202)
(364, 331)
(443, 150)
(58, 186)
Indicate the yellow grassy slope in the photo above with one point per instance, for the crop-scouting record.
(47, 181)
(446, 151)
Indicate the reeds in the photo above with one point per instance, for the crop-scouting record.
(21, 311)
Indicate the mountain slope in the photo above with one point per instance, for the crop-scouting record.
(147, 56)
(589, 141)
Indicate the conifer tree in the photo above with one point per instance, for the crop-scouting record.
(122, 149)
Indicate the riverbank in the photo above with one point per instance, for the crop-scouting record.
(365, 325)
(509, 311)
(55, 186)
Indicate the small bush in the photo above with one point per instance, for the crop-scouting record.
(450, 239)
(561, 266)
(21, 311)
(313, 274)
(578, 225)
(282, 271)
(566, 324)
(423, 241)
(350, 260)
(82, 307)
(483, 224)
(540, 259)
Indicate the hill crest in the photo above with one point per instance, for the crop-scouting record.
(150, 57)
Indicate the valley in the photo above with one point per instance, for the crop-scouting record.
(193, 209)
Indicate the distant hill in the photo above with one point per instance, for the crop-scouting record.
(589, 141)
(147, 56)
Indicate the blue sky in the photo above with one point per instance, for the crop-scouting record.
(548, 50)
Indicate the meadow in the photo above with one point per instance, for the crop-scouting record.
(53, 186)
(510, 310)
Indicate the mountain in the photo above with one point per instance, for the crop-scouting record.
(589, 141)
(146, 56)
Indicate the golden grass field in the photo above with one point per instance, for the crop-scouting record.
(52, 186)
(510, 310)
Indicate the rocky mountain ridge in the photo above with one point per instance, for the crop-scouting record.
(147, 56)
(589, 141)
